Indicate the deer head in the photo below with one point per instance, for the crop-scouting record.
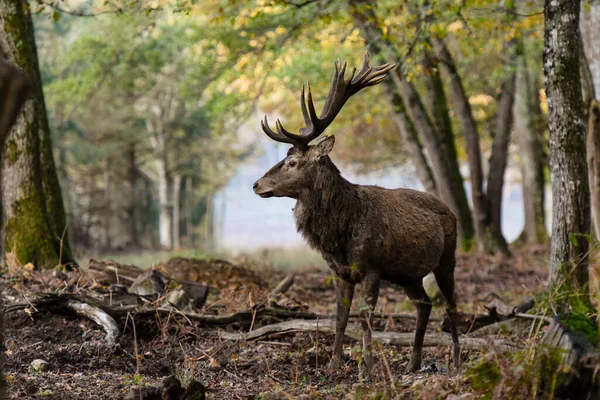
(295, 173)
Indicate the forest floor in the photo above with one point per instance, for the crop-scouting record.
(290, 365)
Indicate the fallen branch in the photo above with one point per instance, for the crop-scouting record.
(285, 284)
(53, 301)
(98, 316)
(355, 332)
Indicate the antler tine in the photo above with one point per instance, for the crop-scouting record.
(264, 124)
(305, 115)
(284, 132)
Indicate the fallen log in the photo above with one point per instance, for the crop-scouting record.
(354, 331)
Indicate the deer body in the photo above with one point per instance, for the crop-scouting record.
(365, 233)
(401, 233)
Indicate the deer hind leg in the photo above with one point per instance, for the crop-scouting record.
(345, 293)
(416, 293)
(445, 280)
(370, 292)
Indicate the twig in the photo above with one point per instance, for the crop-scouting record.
(135, 346)
(285, 284)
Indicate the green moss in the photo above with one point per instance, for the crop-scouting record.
(11, 152)
(581, 318)
(26, 236)
(484, 375)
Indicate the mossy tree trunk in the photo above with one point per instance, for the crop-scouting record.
(34, 217)
(13, 91)
(569, 273)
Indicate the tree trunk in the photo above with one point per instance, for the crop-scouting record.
(570, 190)
(590, 36)
(176, 210)
(165, 221)
(498, 159)
(134, 240)
(107, 209)
(209, 224)
(593, 162)
(590, 68)
(30, 226)
(14, 89)
(189, 230)
(446, 172)
(529, 140)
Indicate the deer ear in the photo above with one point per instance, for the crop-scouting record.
(322, 148)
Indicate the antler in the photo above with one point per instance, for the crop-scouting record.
(340, 91)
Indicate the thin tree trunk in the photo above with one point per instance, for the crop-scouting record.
(165, 222)
(209, 226)
(190, 209)
(107, 206)
(570, 188)
(590, 36)
(593, 162)
(529, 140)
(131, 207)
(176, 210)
(590, 79)
(29, 226)
(498, 159)
(445, 169)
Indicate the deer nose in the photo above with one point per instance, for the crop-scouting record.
(255, 185)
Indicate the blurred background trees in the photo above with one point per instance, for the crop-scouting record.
(153, 105)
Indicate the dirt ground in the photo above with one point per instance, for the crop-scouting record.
(294, 365)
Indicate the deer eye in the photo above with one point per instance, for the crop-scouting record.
(292, 164)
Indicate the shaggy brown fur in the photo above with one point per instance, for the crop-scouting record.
(368, 233)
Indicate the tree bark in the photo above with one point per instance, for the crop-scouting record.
(570, 189)
(176, 210)
(529, 139)
(31, 228)
(446, 172)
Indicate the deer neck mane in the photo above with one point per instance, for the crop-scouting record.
(324, 214)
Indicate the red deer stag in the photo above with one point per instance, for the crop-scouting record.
(364, 233)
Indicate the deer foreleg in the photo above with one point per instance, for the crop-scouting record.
(345, 293)
(419, 297)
